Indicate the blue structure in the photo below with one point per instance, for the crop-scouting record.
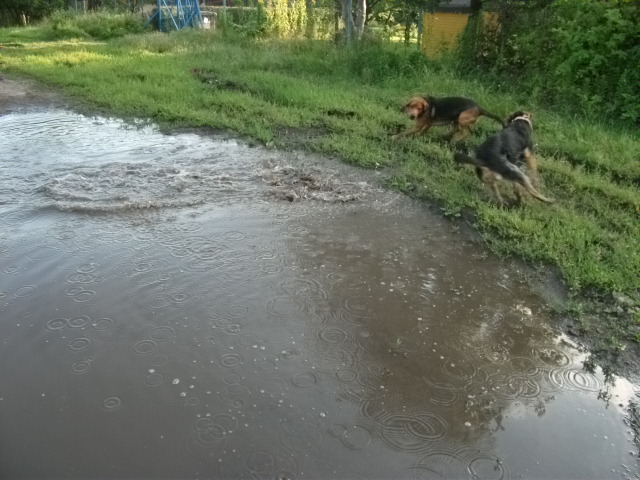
(177, 14)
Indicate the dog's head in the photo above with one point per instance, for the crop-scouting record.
(415, 107)
(519, 115)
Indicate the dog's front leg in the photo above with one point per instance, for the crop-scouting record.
(417, 128)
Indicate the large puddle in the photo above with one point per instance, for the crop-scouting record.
(179, 306)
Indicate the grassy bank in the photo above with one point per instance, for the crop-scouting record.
(344, 102)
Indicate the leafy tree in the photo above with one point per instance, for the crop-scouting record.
(406, 13)
(14, 12)
(581, 54)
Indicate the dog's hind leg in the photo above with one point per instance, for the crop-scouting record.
(532, 164)
(491, 179)
(462, 126)
(496, 192)
(523, 180)
(534, 193)
(514, 174)
(517, 190)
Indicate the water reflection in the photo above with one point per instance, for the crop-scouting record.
(185, 307)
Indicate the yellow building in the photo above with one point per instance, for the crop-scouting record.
(440, 30)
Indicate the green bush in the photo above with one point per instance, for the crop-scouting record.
(596, 56)
(581, 54)
(100, 25)
(104, 25)
(61, 25)
(374, 62)
(246, 22)
(280, 19)
(15, 12)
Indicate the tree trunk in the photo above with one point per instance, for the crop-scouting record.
(476, 6)
(336, 19)
(361, 15)
(311, 17)
(347, 15)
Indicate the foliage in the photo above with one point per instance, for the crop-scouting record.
(101, 25)
(286, 18)
(405, 13)
(243, 22)
(583, 55)
(280, 19)
(15, 12)
(372, 63)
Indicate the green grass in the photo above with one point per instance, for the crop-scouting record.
(348, 99)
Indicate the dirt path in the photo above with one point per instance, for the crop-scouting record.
(19, 94)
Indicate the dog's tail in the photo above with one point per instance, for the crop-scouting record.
(463, 158)
(509, 171)
(513, 173)
(494, 117)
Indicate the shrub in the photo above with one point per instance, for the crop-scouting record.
(582, 54)
(374, 61)
(17, 12)
(102, 25)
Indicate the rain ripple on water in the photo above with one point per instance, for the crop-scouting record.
(345, 334)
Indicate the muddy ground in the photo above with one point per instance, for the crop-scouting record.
(621, 357)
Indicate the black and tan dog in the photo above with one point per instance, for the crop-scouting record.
(460, 112)
(500, 156)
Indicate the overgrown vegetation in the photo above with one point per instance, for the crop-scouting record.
(343, 102)
(21, 12)
(71, 25)
(582, 56)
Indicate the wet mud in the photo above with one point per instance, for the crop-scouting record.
(187, 306)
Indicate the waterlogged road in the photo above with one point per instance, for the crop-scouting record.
(181, 306)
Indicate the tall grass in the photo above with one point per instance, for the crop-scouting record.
(68, 24)
(344, 102)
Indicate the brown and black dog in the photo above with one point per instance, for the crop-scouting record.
(500, 156)
(460, 112)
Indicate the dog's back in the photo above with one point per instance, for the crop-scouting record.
(449, 108)
(506, 146)
(503, 152)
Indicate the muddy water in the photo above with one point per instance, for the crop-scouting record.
(178, 306)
